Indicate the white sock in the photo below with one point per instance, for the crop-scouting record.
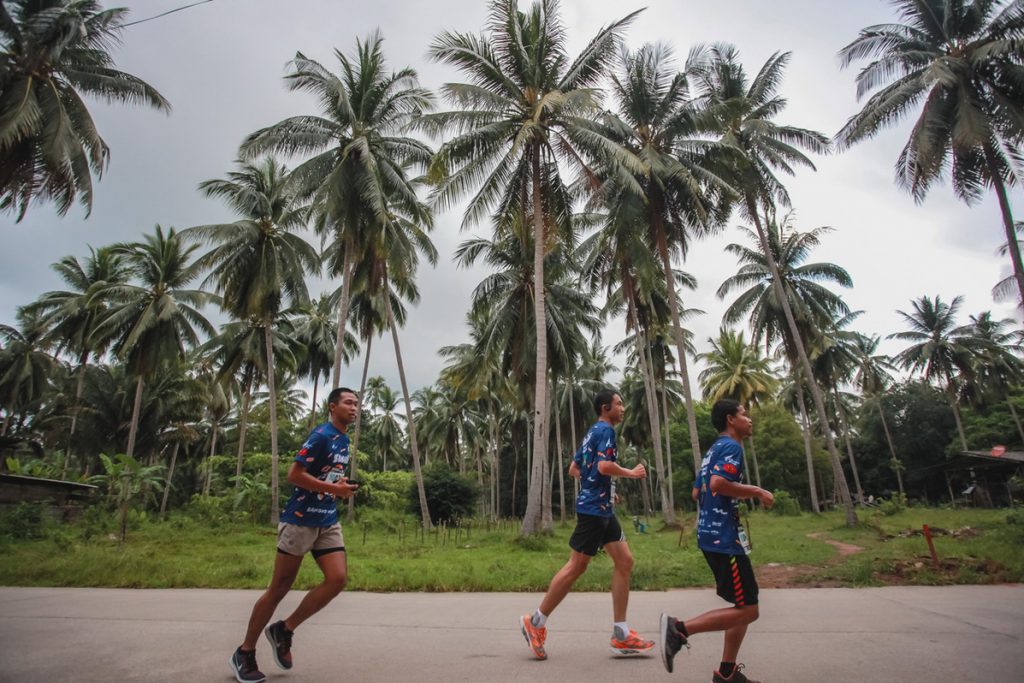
(539, 619)
(620, 629)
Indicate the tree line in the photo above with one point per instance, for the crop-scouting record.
(594, 173)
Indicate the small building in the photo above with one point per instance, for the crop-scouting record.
(982, 478)
(64, 499)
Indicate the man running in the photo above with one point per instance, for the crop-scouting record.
(309, 524)
(724, 541)
(596, 526)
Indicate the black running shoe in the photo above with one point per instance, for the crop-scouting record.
(244, 666)
(672, 641)
(737, 677)
(281, 638)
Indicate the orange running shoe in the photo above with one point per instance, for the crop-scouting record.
(632, 644)
(534, 636)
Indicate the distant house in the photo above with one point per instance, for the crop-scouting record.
(982, 478)
(64, 499)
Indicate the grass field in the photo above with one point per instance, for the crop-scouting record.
(182, 553)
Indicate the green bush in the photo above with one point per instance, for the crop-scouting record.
(450, 496)
(893, 506)
(214, 511)
(24, 521)
(1015, 518)
(785, 504)
(384, 490)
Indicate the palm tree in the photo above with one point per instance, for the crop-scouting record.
(678, 197)
(315, 330)
(71, 316)
(940, 349)
(872, 376)
(737, 370)
(962, 62)
(998, 369)
(25, 366)
(51, 53)
(259, 262)
(742, 114)
(387, 429)
(526, 108)
(154, 318)
(806, 298)
(360, 154)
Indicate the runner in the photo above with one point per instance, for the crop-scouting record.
(724, 541)
(596, 526)
(309, 524)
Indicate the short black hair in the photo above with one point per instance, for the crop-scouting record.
(336, 393)
(604, 398)
(720, 412)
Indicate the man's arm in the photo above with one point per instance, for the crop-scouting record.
(574, 470)
(298, 476)
(733, 489)
(613, 469)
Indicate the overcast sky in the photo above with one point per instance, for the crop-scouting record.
(221, 66)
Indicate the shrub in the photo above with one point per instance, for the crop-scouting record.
(450, 496)
(1015, 518)
(24, 521)
(893, 505)
(384, 490)
(785, 504)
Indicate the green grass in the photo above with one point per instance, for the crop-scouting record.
(184, 553)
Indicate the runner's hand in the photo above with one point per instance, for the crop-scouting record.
(767, 498)
(345, 489)
(639, 472)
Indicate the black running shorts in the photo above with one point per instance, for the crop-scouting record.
(593, 532)
(734, 577)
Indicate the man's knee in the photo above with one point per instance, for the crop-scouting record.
(624, 563)
(750, 613)
(336, 582)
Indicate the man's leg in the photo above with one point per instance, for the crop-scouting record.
(562, 582)
(733, 640)
(286, 568)
(623, 561)
(334, 565)
(732, 620)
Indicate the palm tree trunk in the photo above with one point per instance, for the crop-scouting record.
(495, 468)
(312, 409)
(275, 494)
(896, 465)
(533, 518)
(575, 443)
(753, 458)
(844, 425)
(1016, 420)
(359, 421)
(668, 446)
(805, 423)
(346, 286)
(1008, 227)
(136, 409)
(421, 492)
(819, 401)
(561, 467)
(664, 481)
(677, 333)
(79, 390)
(480, 477)
(951, 393)
(170, 478)
(243, 421)
(6, 424)
(209, 463)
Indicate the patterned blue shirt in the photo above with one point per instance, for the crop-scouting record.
(718, 521)
(325, 455)
(595, 488)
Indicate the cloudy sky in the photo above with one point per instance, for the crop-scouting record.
(221, 66)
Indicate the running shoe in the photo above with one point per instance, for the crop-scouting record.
(632, 644)
(281, 639)
(243, 664)
(672, 641)
(534, 636)
(737, 677)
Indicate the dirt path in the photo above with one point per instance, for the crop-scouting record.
(776, 575)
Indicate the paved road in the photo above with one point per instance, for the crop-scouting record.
(905, 635)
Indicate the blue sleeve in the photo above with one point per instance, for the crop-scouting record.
(605, 446)
(312, 450)
(728, 462)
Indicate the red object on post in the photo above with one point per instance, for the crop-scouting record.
(931, 547)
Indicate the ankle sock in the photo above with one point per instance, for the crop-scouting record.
(681, 627)
(620, 629)
(726, 669)
(539, 619)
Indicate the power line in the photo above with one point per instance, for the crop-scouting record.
(164, 14)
